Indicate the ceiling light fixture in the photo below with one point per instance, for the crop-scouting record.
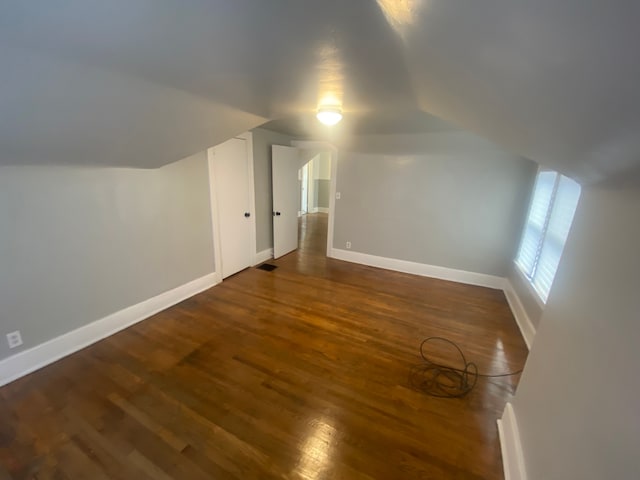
(329, 115)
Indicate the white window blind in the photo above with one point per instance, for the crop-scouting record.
(553, 205)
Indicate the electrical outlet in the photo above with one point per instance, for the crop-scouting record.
(14, 339)
(337, 195)
(348, 245)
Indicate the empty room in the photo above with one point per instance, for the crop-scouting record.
(390, 239)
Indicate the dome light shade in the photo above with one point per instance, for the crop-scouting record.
(329, 115)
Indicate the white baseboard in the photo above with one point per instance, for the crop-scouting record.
(527, 329)
(48, 352)
(321, 210)
(512, 457)
(422, 269)
(263, 256)
(525, 325)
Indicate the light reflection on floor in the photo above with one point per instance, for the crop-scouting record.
(499, 365)
(317, 449)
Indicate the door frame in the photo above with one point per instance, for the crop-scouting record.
(326, 147)
(304, 187)
(214, 205)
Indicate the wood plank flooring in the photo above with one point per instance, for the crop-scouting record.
(298, 373)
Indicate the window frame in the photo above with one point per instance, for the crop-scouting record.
(530, 282)
(528, 285)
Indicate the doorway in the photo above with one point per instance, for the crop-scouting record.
(315, 186)
(287, 176)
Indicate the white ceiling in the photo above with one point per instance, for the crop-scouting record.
(145, 82)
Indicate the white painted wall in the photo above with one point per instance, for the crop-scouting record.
(311, 185)
(450, 200)
(577, 402)
(319, 179)
(322, 181)
(79, 244)
(323, 167)
(531, 303)
(55, 111)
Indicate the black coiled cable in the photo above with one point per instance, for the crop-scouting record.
(445, 381)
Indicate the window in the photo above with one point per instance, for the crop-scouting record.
(555, 198)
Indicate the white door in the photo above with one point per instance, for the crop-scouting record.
(232, 184)
(285, 163)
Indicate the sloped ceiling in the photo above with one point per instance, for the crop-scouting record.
(143, 83)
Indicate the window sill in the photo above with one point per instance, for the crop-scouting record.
(529, 286)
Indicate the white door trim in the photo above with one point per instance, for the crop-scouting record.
(248, 136)
(213, 201)
(215, 223)
(326, 146)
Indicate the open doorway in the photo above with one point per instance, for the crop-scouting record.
(315, 188)
(320, 184)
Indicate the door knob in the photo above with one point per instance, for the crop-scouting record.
(276, 214)
(247, 214)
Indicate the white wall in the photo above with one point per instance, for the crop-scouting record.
(531, 303)
(451, 200)
(312, 194)
(319, 179)
(577, 402)
(57, 112)
(323, 167)
(322, 180)
(78, 243)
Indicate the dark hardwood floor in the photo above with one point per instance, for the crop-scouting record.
(298, 373)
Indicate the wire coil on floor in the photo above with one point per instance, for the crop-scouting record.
(445, 381)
